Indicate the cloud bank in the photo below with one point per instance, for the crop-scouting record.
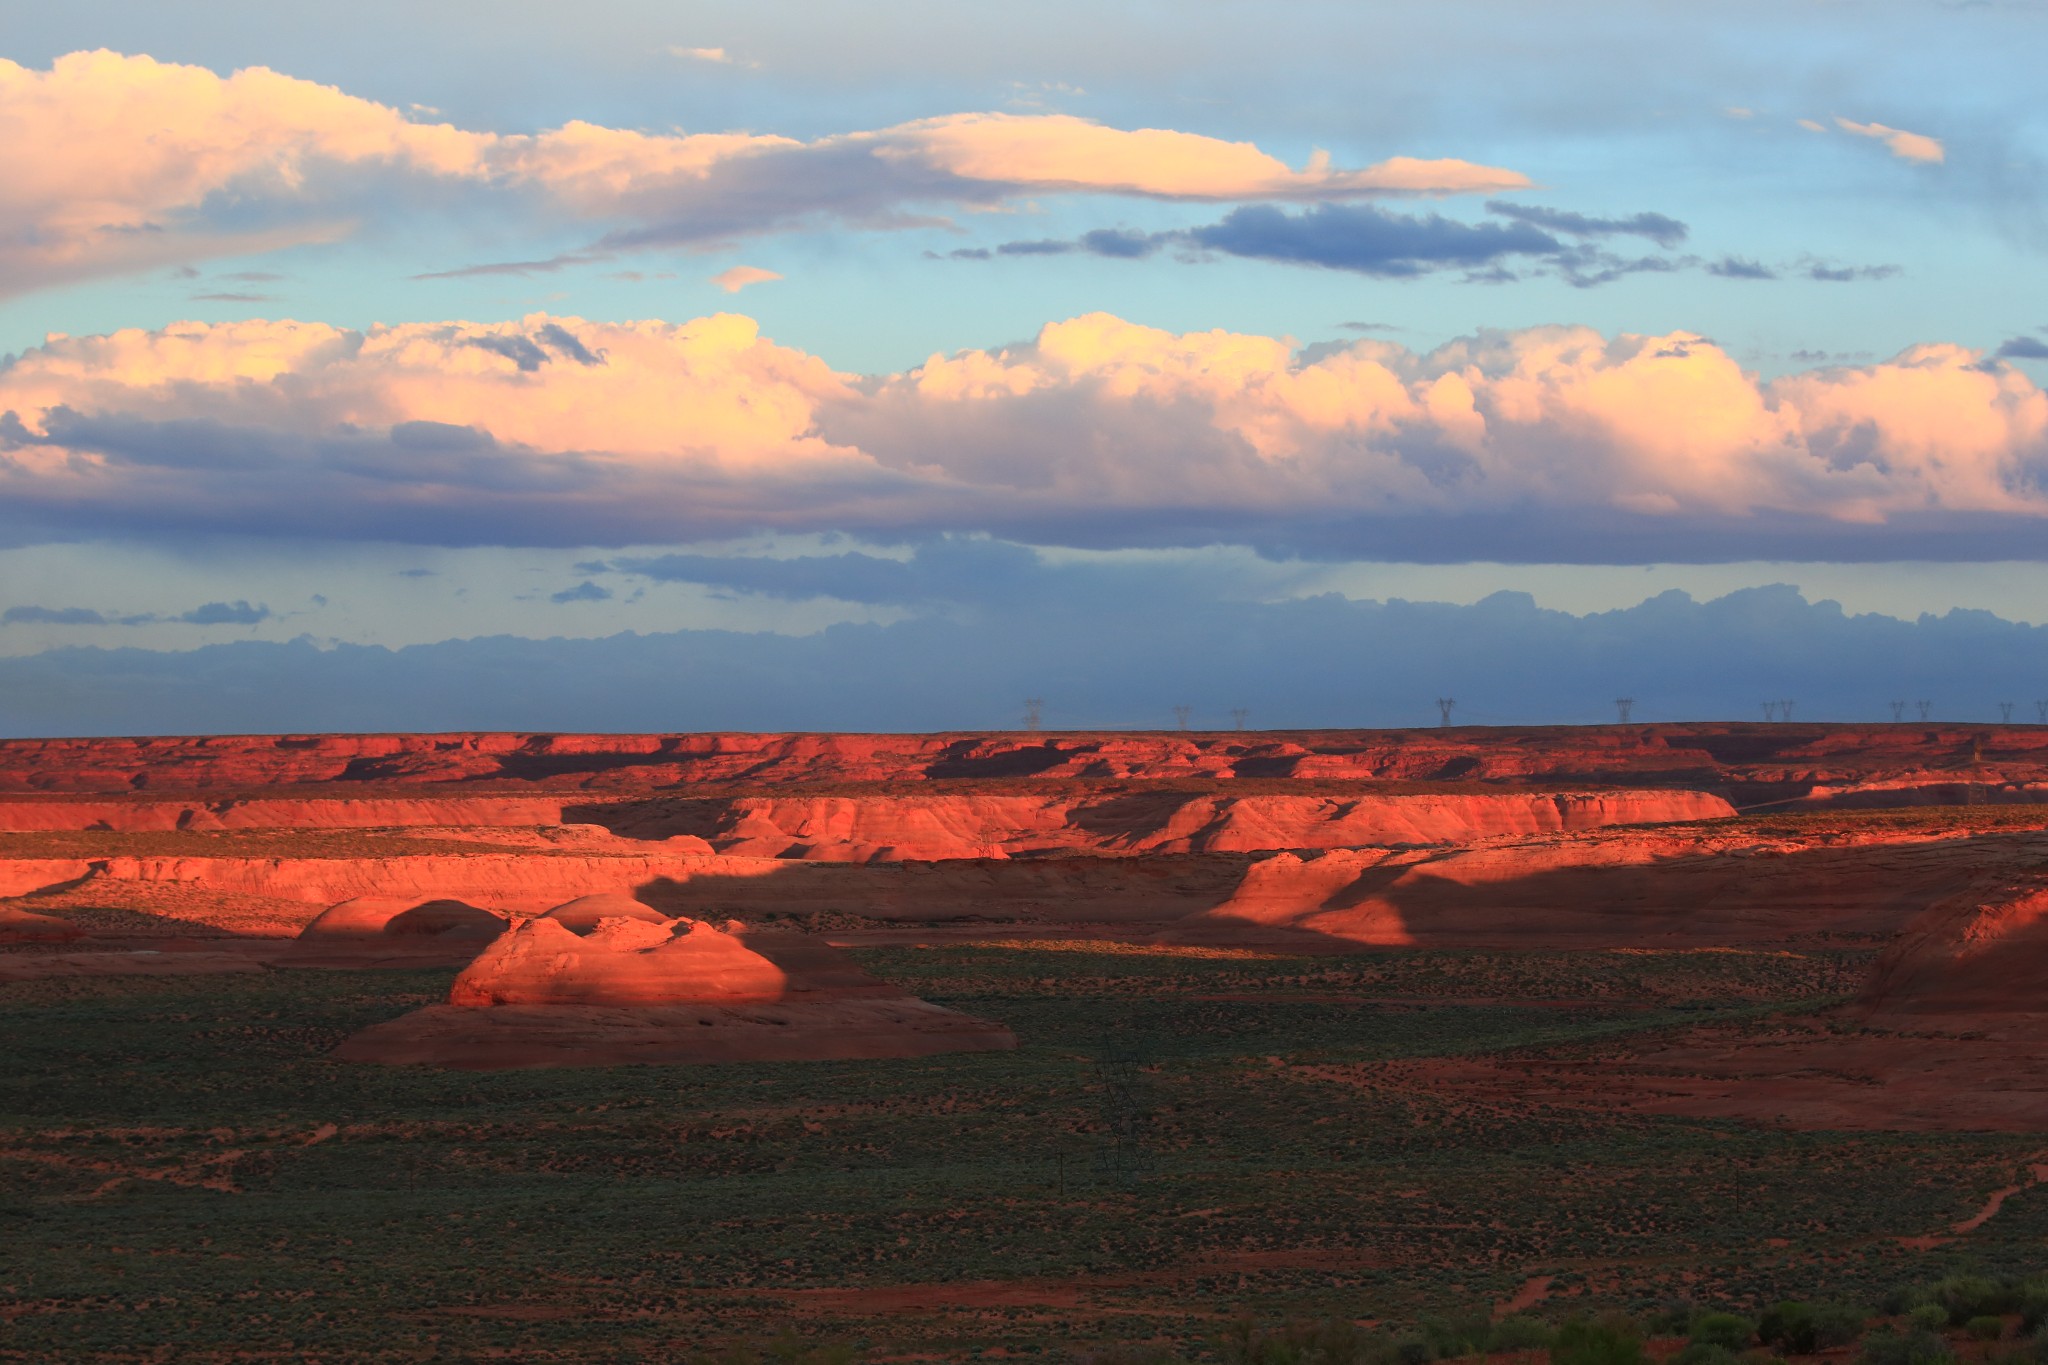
(1102, 647)
(259, 160)
(1550, 443)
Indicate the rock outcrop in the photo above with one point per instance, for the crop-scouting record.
(683, 991)
(383, 932)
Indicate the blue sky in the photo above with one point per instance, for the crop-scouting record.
(1667, 297)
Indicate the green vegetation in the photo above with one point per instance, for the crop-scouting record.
(185, 1175)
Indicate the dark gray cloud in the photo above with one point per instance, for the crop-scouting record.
(943, 569)
(2023, 348)
(1739, 268)
(1104, 645)
(52, 616)
(521, 351)
(529, 353)
(562, 341)
(1843, 274)
(1664, 231)
(586, 591)
(1371, 241)
(236, 613)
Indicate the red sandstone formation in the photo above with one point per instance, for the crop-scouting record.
(1751, 762)
(683, 991)
(585, 913)
(382, 932)
(620, 962)
(935, 825)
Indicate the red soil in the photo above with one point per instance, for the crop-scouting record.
(22, 926)
(515, 1036)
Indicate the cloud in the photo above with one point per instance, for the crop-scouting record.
(2023, 348)
(1105, 645)
(228, 297)
(1549, 442)
(1904, 145)
(226, 614)
(1664, 231)
(586, 591)
(211, 614)
(52, 616)
(1739, 268)
(716, 56)
(258, 160)
(1837, 274)
(1373, 241)
(740, 276)
(1366, 239)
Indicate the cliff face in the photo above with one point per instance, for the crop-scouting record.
(1783, 760)
(934, 825)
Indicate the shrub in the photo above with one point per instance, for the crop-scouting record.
(1520, 1333)
(1607, 1342)
(1333, 1341)
(1700, 1353)
(1836, 1324)
(1928, 1317)
(1985, 1327)
(1917, 1346)
(1973, 1296)
(1461, 1334)
(1800, 1329)
(1902, 1299)
(1726, 1330)
(2032, 1306)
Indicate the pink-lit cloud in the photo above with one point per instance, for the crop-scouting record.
(1902, 144)
(1100, 431)
(257, 160)
(738, 277)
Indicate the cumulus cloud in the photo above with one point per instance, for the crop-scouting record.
(1553, 441)
(740, 276)
(1902, 144)
(259, 160)
(586, 591)
(2023, 348)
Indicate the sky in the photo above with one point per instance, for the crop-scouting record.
(853, 344)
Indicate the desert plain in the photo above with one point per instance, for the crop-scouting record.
(619, 1047)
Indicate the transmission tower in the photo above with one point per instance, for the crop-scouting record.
(1443, 706)
(1898, 711)
(1120, 1070)
(1770, 710)
(2041, 710)
(2005, 712)
(1926, 708)
(1238, 716)
(1180, 716)
(1034, 707)
(1785, 710)
(1622, 706)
